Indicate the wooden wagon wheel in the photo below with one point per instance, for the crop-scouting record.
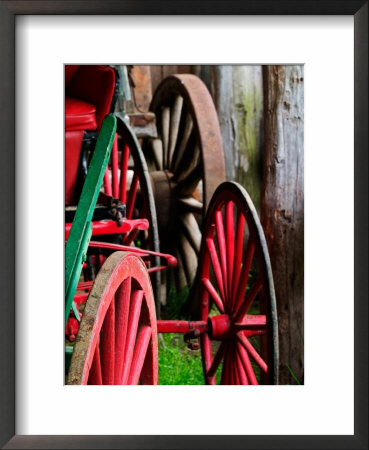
(186, 165)
(117, 338)
(237, 293)
(127, 178)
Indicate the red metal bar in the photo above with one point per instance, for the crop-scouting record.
(134, 316)
(180, 326)
(214, 295)
(122, 299)
(216, 265)
(111, 227)
(84, 285)
(253, 353)
(139, 354)
(114, 168)
(238, 254)
(107, 345)
(230, 247)
(132, 195)
(244, 275)
(222, 249)
(171, 260)
(123, 175)
(250, 322)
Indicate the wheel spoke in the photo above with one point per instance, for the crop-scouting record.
(192, 230)
(132, 196)
(244, 277)
(187, 185)
(178, 154)
(107, 345)
(134, 315)
(207, 352)
(180, 278)
(234, 370)
(189, 258)
(175, 118)
(142, 344)
(238, 254)
(222, 249)
(247, 365)
(251, 322)
(253, 353)
(240, 368)
(165, 119)
(230, 246)
(121, 325)
(157, 147)
(214, 295)
(250, 297)
(107, 182)
(216, 264)
(217, 360)
(225, 378)
(124, 173)
(190, 204)
(95, 377)
(188, 162)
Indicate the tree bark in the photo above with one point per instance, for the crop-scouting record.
(282, 208)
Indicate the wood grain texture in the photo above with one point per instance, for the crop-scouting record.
(282, 207)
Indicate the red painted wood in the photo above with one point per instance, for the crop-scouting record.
(123, 180)
(180, 326)
(252, 352)
(222, 250)
(250, 297)
(115, 163)
(247, 365)
(132, 195)
(95, 376)
(121, 325)
(216, 265)
(240, 227)
(107, 345)
(139, 354)
(230, 247)
(214, 295)
(244, 277)
(217, 360)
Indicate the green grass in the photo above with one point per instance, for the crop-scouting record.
(178, 365)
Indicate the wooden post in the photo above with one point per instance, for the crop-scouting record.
(282, 208)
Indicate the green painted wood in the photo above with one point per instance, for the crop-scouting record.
(80, 233)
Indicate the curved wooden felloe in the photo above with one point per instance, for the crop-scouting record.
(117, 338)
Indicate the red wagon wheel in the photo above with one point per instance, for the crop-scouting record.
(237, 293)
(117, 338)
(127, 178)
(186, 165)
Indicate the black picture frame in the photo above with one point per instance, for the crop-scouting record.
(8, 12)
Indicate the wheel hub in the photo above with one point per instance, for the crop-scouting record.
(220, 327)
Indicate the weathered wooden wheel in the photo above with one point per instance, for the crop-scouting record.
(186, 165)
(117, 338)
(236, 293)
(127, 178)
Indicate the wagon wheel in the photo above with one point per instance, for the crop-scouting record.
(186, 165)
(127, 178)
(117, 338)
(237, 293)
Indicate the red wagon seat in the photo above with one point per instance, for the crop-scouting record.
(79, 115)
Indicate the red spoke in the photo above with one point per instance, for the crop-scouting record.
(225, 369)
(240, 368)
(216, 265)
(107, 345)
(253, 353)
(207, 354)
(132, 195)
(114, 167)
(222, 248)
(234, 373)
(217, 360)
(142, 344)
(214, 295)
(230, 246)
(121, 325)
(123, 175)
(107, 182)
(247, 365)
(244, 278)
(251, 322)
(238, 253)
(94, 376)
(134, 316)
(130, 237)
(250, 297)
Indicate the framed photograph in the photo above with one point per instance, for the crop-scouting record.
(329, 40)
